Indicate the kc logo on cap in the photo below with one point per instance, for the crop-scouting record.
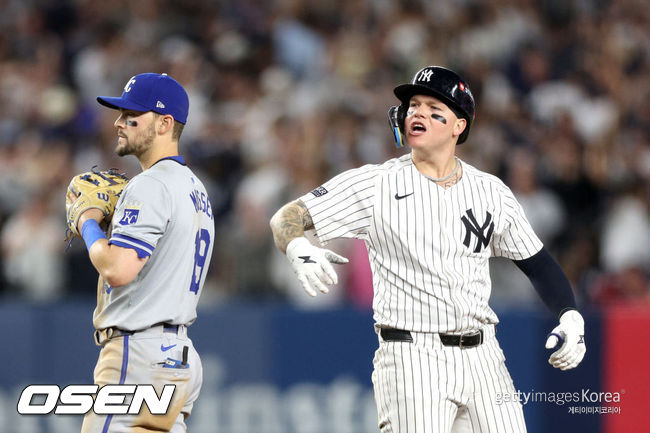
(127, 88)
(151, 92)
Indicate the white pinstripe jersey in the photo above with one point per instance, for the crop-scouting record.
(428, 246)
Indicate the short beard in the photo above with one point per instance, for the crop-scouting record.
(141, 143)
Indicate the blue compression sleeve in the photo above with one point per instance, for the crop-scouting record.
(91, 232)
(549, 281)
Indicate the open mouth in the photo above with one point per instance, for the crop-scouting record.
(417, 128)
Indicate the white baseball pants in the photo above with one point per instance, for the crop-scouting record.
(426, 387)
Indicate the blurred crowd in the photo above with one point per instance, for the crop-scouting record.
(284, 94)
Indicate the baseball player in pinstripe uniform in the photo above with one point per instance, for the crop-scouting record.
(430, 223)
(153, 263)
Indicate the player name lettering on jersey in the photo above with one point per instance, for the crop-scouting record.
(201, 202)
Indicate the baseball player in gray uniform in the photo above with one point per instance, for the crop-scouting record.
(153, 264)
(430, 223)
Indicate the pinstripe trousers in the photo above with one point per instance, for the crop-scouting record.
(425, 387)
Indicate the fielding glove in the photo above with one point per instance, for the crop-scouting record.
(92, 190)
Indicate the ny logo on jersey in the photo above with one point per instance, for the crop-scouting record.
(472, 227)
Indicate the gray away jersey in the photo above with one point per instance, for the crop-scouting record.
(428, 246)
(164, 214)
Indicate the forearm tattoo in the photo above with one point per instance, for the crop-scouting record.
(307, 223)
(290, 222)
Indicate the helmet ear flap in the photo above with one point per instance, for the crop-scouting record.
(396, 117)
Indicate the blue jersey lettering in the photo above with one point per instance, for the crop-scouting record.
(201, 202)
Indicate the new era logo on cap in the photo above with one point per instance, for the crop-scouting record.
(151, 92)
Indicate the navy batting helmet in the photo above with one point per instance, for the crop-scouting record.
(441, 83)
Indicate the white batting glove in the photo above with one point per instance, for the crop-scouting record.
(571, 333)
(313, 265)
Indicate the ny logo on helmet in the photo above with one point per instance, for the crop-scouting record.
(425, 75)
(473, 228)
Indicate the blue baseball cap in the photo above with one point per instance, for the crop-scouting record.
(152, 92)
